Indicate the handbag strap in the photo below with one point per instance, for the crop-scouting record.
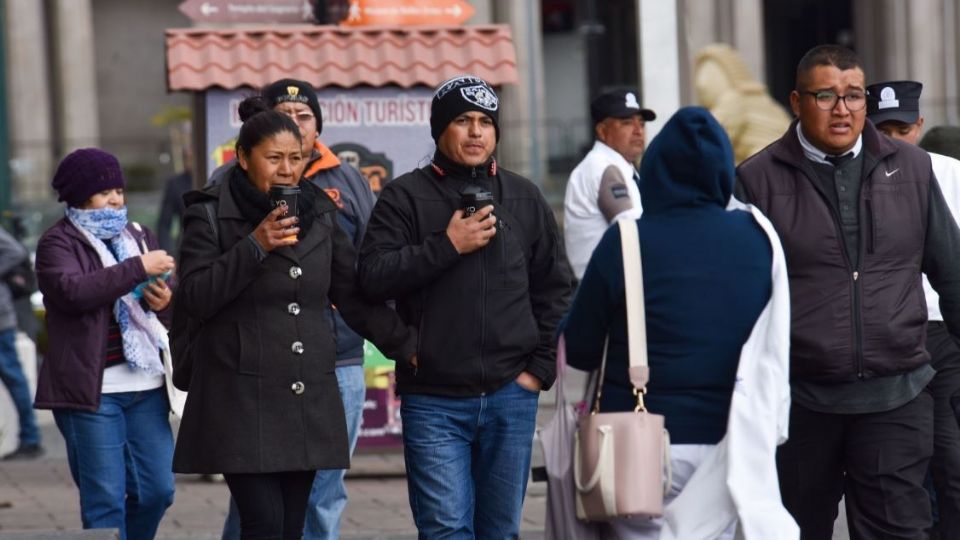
(636, 311)
(561, 369)
(639, 369)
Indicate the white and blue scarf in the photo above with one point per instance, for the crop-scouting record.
(142, 333)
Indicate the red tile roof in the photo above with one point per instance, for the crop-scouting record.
(202, 58)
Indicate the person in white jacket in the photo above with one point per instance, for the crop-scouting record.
(894, 107)
(603, 187)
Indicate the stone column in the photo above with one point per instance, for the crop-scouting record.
(659, 59)
(748, 35)
(483, 12)
(951, 26)
(523, 143)
(75, 74)
(28, 101)
(738, 24)
(908, 40)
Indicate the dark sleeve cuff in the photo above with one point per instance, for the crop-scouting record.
(546, 372)
(260, 253)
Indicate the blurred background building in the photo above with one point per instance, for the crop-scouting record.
(92, 72)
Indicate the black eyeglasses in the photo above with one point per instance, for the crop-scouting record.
(827, 100)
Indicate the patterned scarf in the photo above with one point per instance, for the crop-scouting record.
(142, 333)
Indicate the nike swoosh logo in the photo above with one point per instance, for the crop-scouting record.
(891, 173)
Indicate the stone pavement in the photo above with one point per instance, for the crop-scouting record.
(39, 495)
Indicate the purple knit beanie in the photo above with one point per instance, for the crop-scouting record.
(84, 173)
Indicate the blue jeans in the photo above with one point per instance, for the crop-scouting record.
(328, 497)
(467, 461)
(11, 373)
(120, 458)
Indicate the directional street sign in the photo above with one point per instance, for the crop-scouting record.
(408, 12)
(248, 11)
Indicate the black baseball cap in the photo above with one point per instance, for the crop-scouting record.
(894, 101)
(618, 104)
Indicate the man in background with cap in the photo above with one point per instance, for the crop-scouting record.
(354, 198)
(894, 107)
(603, 187)
(860, 216)
(486, 286)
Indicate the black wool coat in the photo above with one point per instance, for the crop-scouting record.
(263, 394)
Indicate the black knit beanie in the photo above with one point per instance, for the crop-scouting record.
(459, 95)
(294, 91)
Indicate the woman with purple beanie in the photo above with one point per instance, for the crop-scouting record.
(103, 374)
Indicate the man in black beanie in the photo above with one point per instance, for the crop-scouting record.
(472, 256)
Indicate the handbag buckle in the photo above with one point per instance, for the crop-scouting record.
(639, 393)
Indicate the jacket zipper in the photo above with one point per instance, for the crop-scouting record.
(483, 302)
(483, 313)
(855, 273)
(857, 331)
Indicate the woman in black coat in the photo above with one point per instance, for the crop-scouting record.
(263, 406)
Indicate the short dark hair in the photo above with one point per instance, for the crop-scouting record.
(826, 55)
(943, 140)
(261, 122)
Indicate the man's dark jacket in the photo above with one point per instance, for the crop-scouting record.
(868, 321)
(482, 317)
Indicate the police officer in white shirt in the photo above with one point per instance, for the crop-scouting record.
(894, 107)
(603, 187)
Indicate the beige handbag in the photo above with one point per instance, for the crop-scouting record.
(621, 460)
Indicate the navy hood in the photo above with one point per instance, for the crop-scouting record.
(688, 164)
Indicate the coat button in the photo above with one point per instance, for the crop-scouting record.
(295, 272)
(297, 347)
(293, 308)
(297, 388)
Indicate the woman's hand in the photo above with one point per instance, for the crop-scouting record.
(157, 294)
(157, 262)
(275, 231)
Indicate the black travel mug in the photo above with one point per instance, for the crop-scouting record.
(287, 197)
(473, 198)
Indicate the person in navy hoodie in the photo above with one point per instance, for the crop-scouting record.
(707, 274)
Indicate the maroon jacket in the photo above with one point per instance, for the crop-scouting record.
(850, 323)
(79, 294)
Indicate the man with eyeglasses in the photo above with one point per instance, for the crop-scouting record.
(352, 194)
(860, 216)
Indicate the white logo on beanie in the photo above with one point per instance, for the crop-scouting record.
(481, 96)
(454, 83)
(631, 101)
(888, 99)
